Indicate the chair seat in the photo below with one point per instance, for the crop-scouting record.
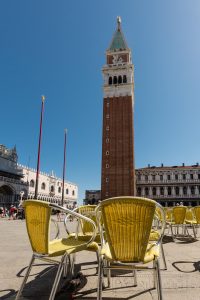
(70, 245)
(191, 222)
(154, 235)
(151, 253)
(86, 237)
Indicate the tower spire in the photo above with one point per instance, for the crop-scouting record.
(118, 42)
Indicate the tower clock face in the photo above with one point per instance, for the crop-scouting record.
(117, 59)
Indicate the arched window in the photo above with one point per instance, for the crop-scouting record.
(124, 79)
(192, 190)
(191, 176)
(59, 189)
(162, 191)
(43, 186)
(169, 191)
(139, 191)
(67, 191)
(154, 191)
(146, 191)
(52, 188)
(32, 183)
(115, 80)
(110, 80)
(184, 190)
(120, 79)
(73, 193)
(177, 190)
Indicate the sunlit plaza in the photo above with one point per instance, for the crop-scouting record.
(181, 280)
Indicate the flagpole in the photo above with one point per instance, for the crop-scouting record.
(39, 146)
(64, 163)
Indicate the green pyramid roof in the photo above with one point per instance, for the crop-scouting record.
(118, 41)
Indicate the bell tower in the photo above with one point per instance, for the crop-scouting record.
(117, 172)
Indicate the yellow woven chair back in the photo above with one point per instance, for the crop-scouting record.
(88, 211)
(179, 213)
(197, 213)
(38, 215)
(127, 224)
(189, 216)
(169, 214)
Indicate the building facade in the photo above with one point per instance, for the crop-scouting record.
(11, 177)
(118, 175)
(92, 197)
(170, 185)
(17, 180)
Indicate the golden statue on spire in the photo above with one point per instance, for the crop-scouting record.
(119, 22)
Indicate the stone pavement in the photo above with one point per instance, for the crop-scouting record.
(180, 281)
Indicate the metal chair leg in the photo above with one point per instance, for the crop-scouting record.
(163, 256)
(135, 277)
(25, 277)
(57, 278)
(172, 232)
(195, 236)
(154, 275)
(100, 279)
(65, 267)
(108, 273)
(159, 284)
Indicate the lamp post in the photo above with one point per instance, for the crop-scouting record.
(64, 162)
(39, 145)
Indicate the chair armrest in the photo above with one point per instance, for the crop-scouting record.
(78, 216)
(163, 222)
(57, 227)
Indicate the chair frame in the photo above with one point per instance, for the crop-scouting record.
(65, 259)
(103, 265)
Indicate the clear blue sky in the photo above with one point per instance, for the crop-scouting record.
(57, 48)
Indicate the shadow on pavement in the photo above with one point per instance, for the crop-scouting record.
(177, 265)
(40, 286)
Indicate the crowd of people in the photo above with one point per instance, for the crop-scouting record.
(12, 213)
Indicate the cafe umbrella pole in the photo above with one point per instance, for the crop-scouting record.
(39, 147)
(64, 162)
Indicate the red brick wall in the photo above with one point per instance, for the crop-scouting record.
(120, 146)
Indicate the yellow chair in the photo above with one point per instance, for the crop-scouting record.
(84, 230)
(190, 219)
(38, 214)
(125, 225)
(178, 220)
(196, 211)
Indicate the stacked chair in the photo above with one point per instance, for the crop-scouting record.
(125, 225)
(38, 218)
